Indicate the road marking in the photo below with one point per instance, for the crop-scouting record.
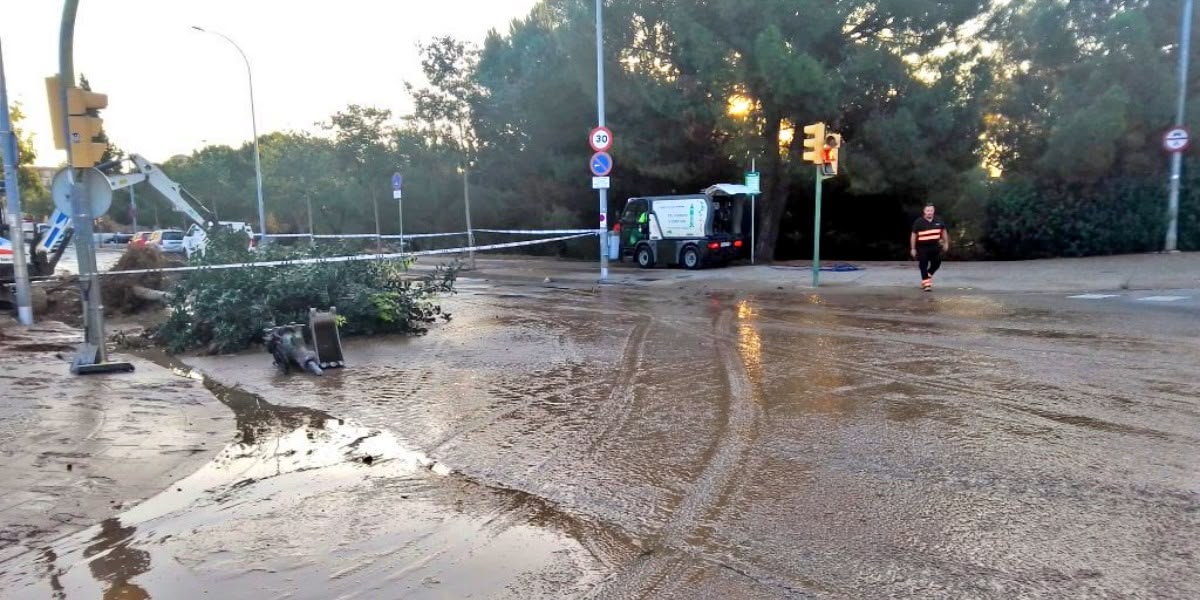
(1094, 296)
(1163, 298)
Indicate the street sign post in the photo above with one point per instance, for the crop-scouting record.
(397, 182)
(753, 181)
(1176, 139)
(601, 140)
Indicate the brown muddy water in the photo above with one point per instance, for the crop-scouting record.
(626, 443)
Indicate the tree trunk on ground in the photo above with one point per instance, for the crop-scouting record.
(149, 295)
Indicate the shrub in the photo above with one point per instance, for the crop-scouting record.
(227, 310)
(1027, 220)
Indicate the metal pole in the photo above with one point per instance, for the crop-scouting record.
(262, 216)
(1185, 43)
(311, 240)
(8, 147)
(133, 208)
(600, 113)
(753, 197)
(400, 205)
(467, 202)
(93, 350)
(816, 268)
(378, 231)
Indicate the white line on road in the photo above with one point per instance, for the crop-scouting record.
(1163, 298)
(1094, 296)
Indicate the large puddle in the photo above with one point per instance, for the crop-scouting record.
(306, 505)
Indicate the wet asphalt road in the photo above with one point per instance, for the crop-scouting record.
(629, 443)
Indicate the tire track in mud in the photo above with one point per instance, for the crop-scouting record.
(486, 417)
(619, 399)
(951, 384)
(742, 420)
(614, 413)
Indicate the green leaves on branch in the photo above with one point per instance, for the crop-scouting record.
(227, 310)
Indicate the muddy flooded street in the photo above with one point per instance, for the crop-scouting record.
(626, 442)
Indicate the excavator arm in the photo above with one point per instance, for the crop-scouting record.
(172, 191)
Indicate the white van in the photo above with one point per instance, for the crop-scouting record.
(197, 238)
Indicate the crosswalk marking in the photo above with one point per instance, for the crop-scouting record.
(1160, 299)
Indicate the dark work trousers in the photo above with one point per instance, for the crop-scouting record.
(929, 259)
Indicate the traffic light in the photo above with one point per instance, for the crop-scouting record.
(84, 122)
(56, 117)
(833, 147)
(814, 141)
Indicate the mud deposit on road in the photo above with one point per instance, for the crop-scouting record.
(803, 445)
(78, 450)
(618, 442)
(304, 504)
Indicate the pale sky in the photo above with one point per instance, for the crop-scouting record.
(172, 89)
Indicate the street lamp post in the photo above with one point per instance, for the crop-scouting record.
(262, 217)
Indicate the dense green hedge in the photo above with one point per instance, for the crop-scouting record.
(1120, 216)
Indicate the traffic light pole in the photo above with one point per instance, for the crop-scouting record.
(816, 267)
(8, 148)
(92, 356)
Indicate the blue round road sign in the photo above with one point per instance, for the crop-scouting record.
(601, 164)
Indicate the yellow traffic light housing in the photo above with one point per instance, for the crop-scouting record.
(53, 92)
(83, 120)
(814, 142)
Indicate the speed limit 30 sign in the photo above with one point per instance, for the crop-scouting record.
(1176, 140)
(601, 139)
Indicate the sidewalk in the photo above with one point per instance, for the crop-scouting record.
(76, 450)
(1101, 273)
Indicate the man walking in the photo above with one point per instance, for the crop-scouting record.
(929, 239)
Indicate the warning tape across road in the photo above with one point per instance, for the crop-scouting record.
(353, 258)
(363, 236)
(538, 231)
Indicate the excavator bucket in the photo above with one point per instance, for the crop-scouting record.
(326, 340)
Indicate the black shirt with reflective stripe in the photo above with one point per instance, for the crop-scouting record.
(929, 233)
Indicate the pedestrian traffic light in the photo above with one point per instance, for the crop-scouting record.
(83, 119)
(833, 148)
(814, 141)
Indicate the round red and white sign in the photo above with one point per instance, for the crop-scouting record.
(601, 139)
(1176, 140)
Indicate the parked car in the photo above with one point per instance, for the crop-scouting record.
(167, 240)
(197, 238)
(140, 238)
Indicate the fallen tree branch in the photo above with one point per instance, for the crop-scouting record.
(149, 295)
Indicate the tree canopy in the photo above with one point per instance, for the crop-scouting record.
(949, 101)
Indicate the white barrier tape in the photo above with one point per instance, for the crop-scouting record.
(348, 236)
(354, 258)
(538, 231)
(407, 236)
